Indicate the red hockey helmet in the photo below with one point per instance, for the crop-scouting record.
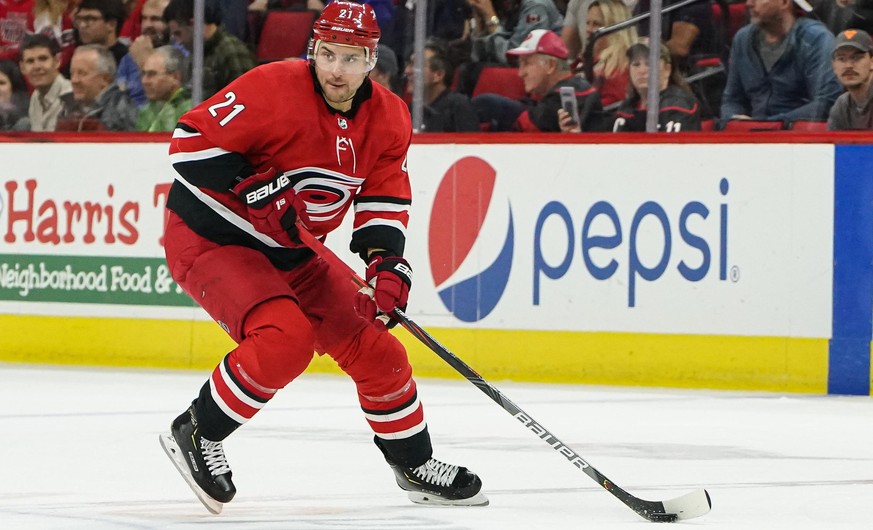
(349, 24)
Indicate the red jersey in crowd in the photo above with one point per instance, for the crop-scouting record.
(16, 16)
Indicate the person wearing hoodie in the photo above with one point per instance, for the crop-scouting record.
(780, 66)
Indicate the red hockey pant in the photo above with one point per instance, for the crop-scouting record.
(278, 319)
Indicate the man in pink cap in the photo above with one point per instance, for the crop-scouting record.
(543, 66)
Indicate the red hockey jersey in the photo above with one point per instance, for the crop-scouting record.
(16, 19)
(275, 116)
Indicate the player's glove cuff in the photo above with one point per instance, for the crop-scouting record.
(389, 280)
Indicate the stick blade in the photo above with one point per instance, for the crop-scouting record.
(690, 505)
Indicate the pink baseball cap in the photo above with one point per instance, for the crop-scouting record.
(541, 41)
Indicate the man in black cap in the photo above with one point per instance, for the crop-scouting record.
(852, 59)
(385, 71)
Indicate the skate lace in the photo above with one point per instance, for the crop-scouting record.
(213, 455)
(436, 472)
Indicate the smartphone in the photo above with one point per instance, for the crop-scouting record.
(569, 103)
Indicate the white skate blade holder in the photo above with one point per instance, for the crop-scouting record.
(175, 453)
(428, 499)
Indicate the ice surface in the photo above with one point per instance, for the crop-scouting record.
(80, 451)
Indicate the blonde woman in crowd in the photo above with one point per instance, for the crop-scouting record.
(573, 34)
(52, 17)
(610, 52)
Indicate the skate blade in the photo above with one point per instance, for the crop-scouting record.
(175, 453)
(435, 500)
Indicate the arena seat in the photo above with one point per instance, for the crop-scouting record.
(737, 18)
(753, 125)
(284, 34)
(502, 80)
(809, 125)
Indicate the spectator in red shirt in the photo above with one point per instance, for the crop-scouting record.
(16, 16)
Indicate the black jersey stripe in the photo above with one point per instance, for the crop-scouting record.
(382, 198)
(239, 384)
(377, 236)
(218, 173)
(207, 223)
(187, 128)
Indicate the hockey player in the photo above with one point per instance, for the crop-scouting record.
(300, 142)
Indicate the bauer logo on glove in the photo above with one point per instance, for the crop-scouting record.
(403, 268)
(266, 191)
(273, 206)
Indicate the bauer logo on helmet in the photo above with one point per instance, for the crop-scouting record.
(347, 24)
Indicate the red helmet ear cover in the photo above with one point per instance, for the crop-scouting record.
(349, 24)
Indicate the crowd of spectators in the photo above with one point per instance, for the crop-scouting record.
(124, 65)
(113, 65)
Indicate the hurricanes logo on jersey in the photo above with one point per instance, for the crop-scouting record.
(327, 194)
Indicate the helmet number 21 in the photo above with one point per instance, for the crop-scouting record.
(351, 15)
(236, 109)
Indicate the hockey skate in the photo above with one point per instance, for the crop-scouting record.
(201, 462)
(438, 483)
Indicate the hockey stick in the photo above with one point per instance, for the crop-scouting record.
(688, 506)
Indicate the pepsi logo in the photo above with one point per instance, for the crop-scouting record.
(470, 271)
